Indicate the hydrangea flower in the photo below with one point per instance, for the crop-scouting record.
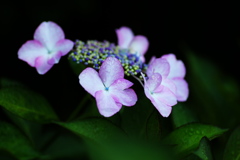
(158, 88)
(46, 49)
(137, 44)
(176, 74)
(108, 86)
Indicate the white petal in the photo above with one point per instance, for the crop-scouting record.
(90, 81)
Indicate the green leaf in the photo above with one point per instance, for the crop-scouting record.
(153, 126)
(135, 119)
(13, 142)
(204, 150)
(186, 138)
(26, 104)
(214, 91)
(31, 129)
(57, 149)
(181, 115)
(232, 150)
(97, 129)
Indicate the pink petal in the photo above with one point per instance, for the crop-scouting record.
(160, 66)
(162, 108)
(41, 64)
(106, 104)
(166, 96)
(64, 46)
(30, 50)
(182, 89)
(49, 33)
(177, 68)
(153, 82)
(126, 97)
(169, 84)
(90, 81)
(111, 70)
(125, 36)
(139, 44)
(121, 84)
(54, 58)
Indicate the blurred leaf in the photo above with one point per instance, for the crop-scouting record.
(153, 126)
(26, 104)
(31, 129)
(136, 120)
(232, 150)
(130, 150)
(186, 138)
(6, 82)
(181, 115)
(57, 148)
(214, 91)
(97, 129)
(204, 150)
(15, 143)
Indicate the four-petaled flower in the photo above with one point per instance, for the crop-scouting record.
(158, 88)
(46, 49)
(108, 86)
(136, 44)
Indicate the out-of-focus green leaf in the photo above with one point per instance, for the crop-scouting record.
(153, 126)
(204, 150)
(13, 142)
(217, 95)
(31, 129)
(97, 129)
(136, 121)
(65, 146)
(181, 115)
(187, 137)
(232, 150)
(26, 104)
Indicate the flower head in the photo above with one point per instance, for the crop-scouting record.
(108, 86)
(158, 88)
(46, 49)
(176, 74)
(136, 44)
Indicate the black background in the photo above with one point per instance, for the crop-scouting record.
(212, 30)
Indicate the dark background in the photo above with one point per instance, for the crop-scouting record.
(211, 30)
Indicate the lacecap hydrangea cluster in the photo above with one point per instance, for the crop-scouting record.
(106, 66)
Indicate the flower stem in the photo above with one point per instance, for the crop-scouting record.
(78, 108)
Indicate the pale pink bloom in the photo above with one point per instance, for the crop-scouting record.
(160, 95)
(177, 74)
(46, 49)
(108, 86)
(137, 44)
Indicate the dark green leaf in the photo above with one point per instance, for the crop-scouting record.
(186, 138)
(97, 129)
(31, 129)
(26, 104)
(135, 118)
(13, 142)
(204, 150)
(153, 126)
(232, 150)
(181, 115)
(216, 94)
